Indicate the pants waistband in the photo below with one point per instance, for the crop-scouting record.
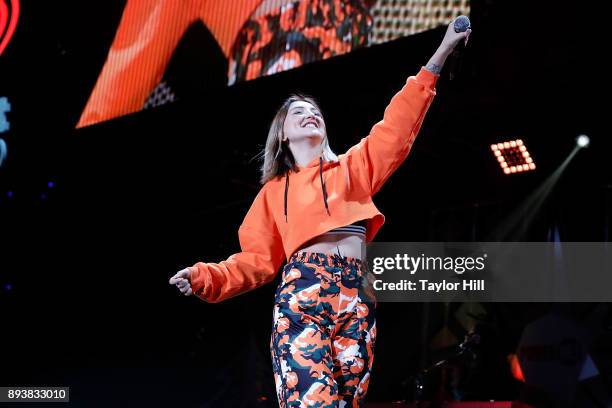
(326, 259)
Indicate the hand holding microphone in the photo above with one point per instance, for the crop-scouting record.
(458, 31)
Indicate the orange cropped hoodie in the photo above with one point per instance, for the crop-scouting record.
(289, 211)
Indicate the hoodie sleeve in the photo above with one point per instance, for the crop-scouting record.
(380, 153)
(258, 262)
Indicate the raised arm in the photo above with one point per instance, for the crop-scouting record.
(379, 154)
(258, 262)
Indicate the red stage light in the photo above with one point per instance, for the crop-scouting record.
(515, 367)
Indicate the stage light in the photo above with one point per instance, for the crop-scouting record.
(583, 141)
(515, 367)
(50, 184)
(513, 156)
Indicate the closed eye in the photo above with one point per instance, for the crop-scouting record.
(300, 111)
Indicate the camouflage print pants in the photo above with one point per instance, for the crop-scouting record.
(324, 330)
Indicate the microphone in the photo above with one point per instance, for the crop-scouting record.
(460, 25)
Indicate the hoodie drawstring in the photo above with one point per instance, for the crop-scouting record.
(322, 188)
(323, 185)
(286, 192)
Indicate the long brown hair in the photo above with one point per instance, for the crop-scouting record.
(277, 157)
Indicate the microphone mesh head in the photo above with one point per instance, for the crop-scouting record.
(461, 24)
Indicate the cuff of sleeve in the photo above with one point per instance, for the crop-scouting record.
(427, 78)
(198, 280)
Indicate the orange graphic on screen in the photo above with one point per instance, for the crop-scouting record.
(257, 37)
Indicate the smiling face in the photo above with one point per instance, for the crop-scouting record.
(296, 133)
(303, 120)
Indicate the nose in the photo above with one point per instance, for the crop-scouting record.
(308, 117)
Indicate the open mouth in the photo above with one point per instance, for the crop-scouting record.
(310, 123)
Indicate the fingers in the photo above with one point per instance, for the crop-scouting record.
(181, 280)
(452, 38)
(185, 288)
(183, 285)
(182, 274)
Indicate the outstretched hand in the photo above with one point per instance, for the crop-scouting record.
(181, 280)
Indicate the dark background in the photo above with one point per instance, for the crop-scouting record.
(84, 261)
